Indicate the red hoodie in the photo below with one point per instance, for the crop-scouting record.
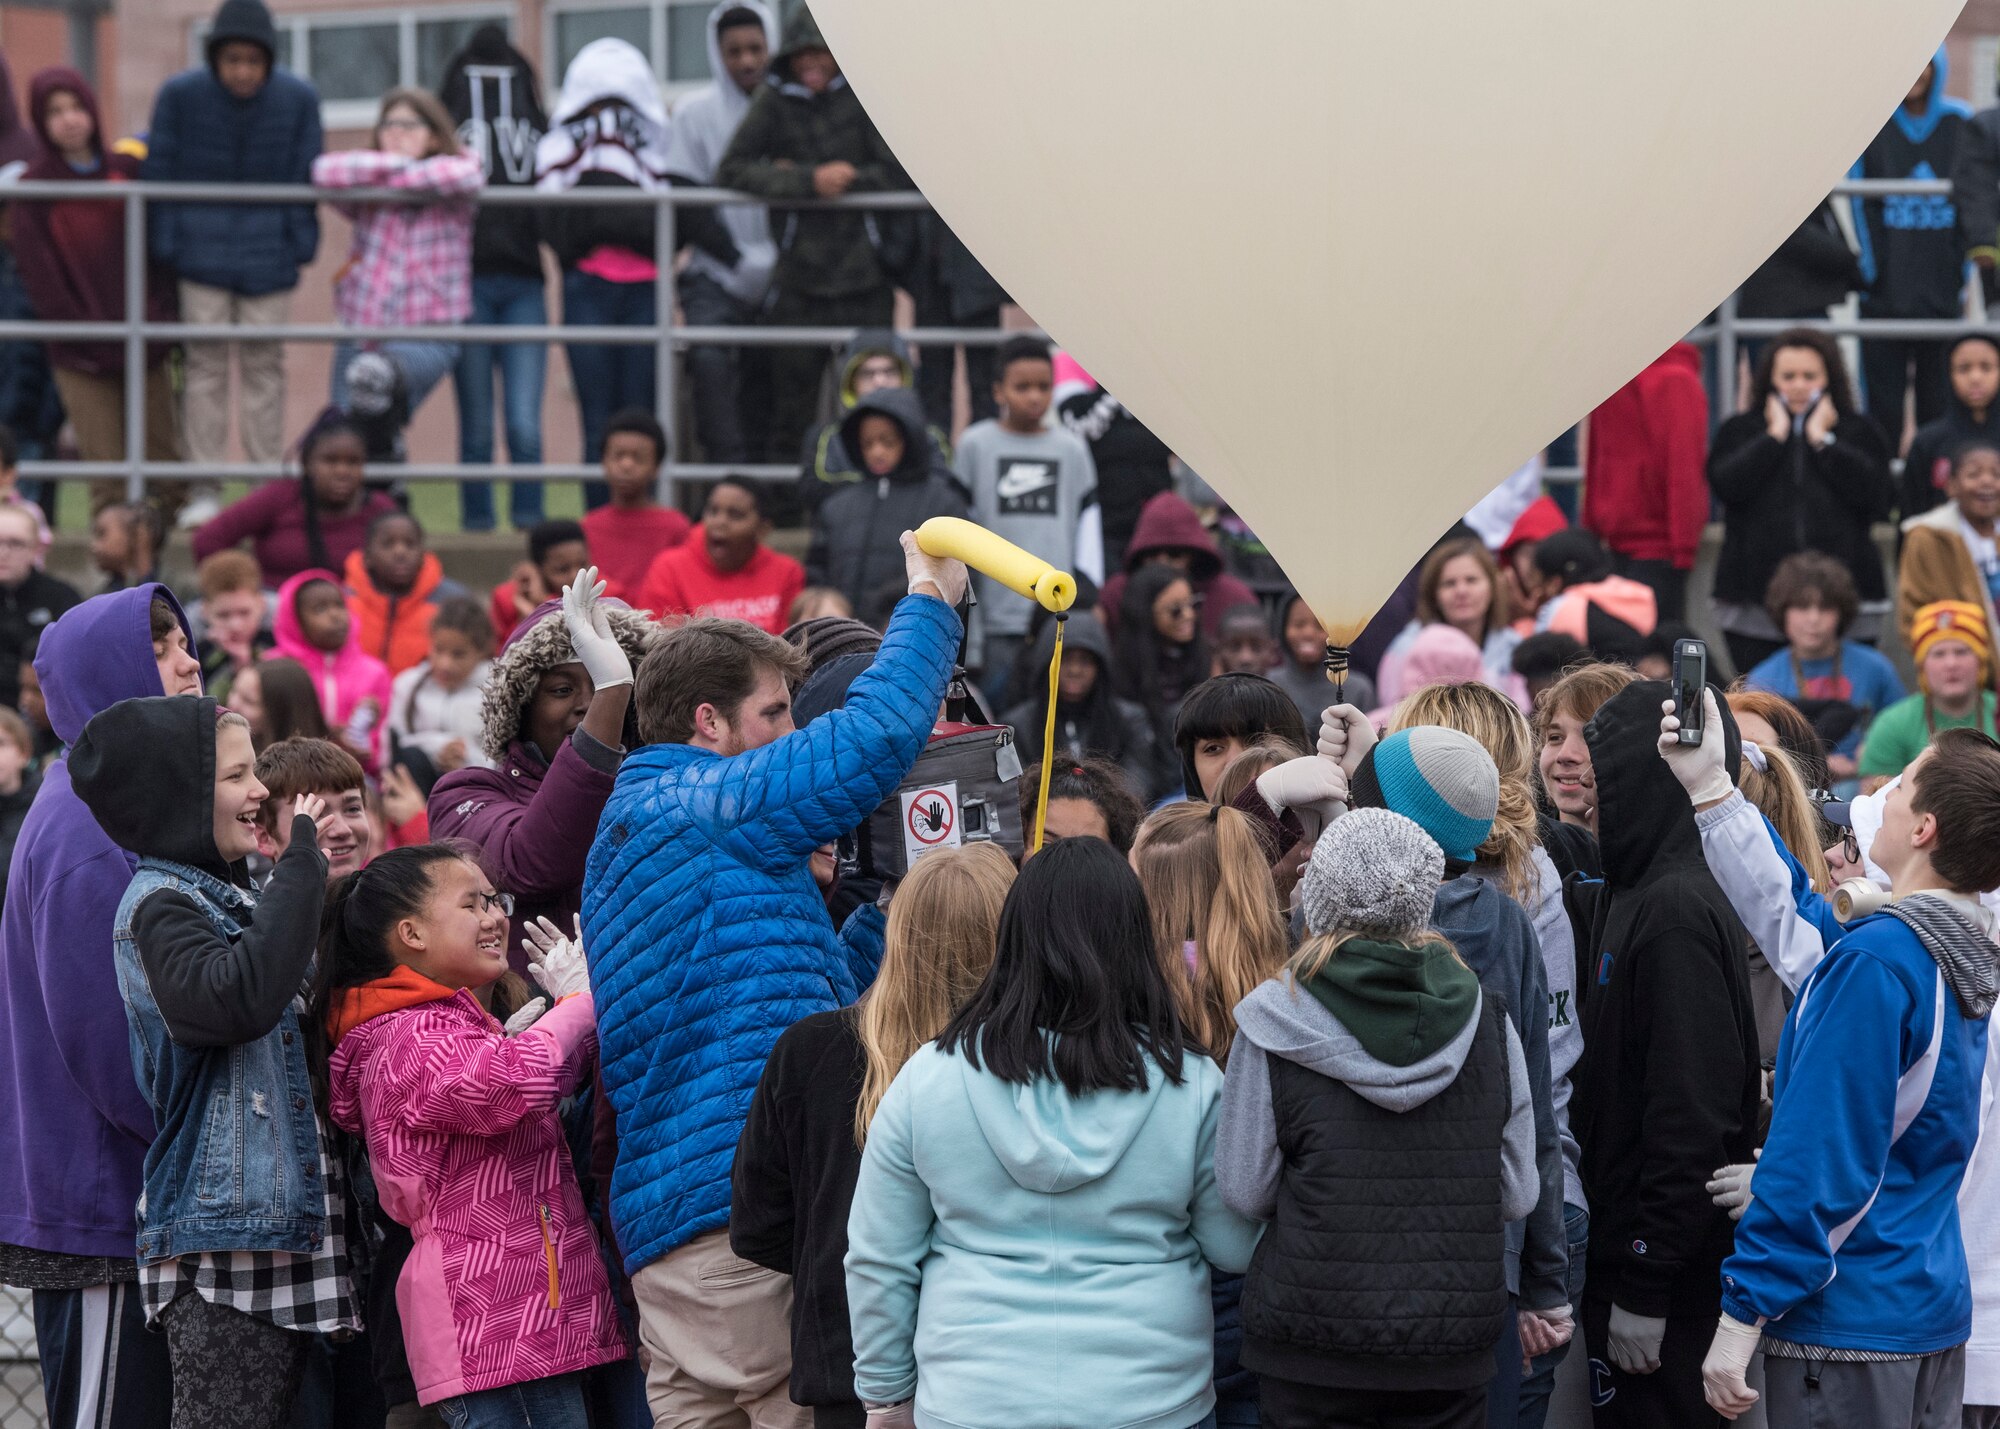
(1168, 523)
(684, 581)
(1645, 489)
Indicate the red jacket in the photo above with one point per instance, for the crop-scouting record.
(684, 581)
(1645, 489)
(624, 544)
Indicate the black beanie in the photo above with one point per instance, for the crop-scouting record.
(830, 637)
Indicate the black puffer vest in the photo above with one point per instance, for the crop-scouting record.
(1383, 1268)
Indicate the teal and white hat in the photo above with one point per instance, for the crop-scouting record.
(1442, 780)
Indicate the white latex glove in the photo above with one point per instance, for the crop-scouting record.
(894, 1416)
(555, 962)
(946, 574)
(1724, 1371)
(1313, 787)
(1345, 736)
(1730, 1189)
(1544, 1330)
(1698, 767)
(522, 1020)
(1635, 1340)
(602, 656)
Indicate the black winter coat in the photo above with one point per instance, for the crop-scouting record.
(1669, 1084)
(1811, 271)
(1931, 451)
(26, 611)
(500, 118)
(1780, 497)
(856, 532)
(792, 1186)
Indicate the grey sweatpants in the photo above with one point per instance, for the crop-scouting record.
(1894, 1394)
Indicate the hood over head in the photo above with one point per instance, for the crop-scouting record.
(1168, 523)
(903, 407)
(871, 342)
(538, 645)
(611, 69)
(1050, 1141)
(489, 48)
(242, 20)
(45, 85)
(1083, 631)
(285, 627)
(146, 771)
(1645, 824)
(713, 28)
(801, 33)
(101, 652)
(1542, 519)
(1442, 655)
(1395, 1024)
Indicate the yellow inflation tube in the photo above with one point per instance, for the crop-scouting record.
(948, 537)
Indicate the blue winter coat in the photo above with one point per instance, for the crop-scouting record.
(202, 134)
(707, 937)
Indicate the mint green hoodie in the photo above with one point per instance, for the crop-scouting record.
(1022, 1259)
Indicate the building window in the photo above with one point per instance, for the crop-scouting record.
(354, 58)
(672, 34)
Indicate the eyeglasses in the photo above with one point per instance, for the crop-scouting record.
(403, 125)
(1850, 847)
(1190, 606)
(501, 903)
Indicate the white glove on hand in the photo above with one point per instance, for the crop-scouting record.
(602, 656)
(1723, 1373)
(894, 1416)
(1635, 1340)
(948, 575)
(1345, 736)
(1698, 767)
(1313, 787)
(1730, 1189)
(522, 1020)
(555, 962)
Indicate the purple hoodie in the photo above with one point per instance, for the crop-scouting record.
(74, 1125)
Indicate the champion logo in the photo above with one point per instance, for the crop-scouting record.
(1638, 1247)
(1602, 1389)
(470, 806)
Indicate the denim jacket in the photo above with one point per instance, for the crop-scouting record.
(235, 1165)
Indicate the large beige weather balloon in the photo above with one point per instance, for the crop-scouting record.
(1356, 259)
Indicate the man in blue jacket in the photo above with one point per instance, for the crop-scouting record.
(238, 119)
(1849, 1265)
(74, 1126)
(707, 938)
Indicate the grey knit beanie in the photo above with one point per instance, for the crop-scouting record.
(1373, 871)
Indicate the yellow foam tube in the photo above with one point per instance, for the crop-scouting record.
(1000, 559)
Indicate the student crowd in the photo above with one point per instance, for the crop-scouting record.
(490, 1007)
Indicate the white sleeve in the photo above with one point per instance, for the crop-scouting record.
(1787, 919)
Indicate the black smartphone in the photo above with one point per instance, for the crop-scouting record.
(1690, 679)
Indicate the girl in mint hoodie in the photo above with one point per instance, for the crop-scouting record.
(1037, 1207)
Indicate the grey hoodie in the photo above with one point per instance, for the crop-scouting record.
(1280, 1020)
(704, 123)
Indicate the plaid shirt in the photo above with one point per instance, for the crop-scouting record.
(411, 263)
(295, 1292)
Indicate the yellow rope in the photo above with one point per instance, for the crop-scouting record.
(1049, 736)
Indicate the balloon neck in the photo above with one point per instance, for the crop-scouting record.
(1335, 664)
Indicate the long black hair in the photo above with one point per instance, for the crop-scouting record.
(1150, 670)
(330, 422)
(1076, 991)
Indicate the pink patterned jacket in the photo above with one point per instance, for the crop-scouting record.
(411, 263)
(505, 1284)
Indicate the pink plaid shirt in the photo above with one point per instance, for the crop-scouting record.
(411, 263)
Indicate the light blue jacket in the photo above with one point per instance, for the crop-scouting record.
(1022, 1259)
(707, 936)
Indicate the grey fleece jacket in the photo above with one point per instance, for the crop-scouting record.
(1279, 1020)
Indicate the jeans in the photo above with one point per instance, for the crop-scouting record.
(421, 365)
(730, 428)
(512, 300)
(1540, 1382)
(608, 379)
(553, 1403)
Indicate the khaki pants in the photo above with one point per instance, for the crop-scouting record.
(96, 408)
(715, 1338)
(261, 366)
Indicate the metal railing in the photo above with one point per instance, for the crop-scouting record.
(1725, 334)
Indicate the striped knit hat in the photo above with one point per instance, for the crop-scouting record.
(1943, 620)
(1443, 780)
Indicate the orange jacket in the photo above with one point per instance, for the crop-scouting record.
(394, 629)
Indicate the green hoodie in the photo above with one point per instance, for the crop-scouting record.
(1402, 1004)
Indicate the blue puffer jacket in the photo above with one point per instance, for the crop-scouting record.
(707, 936)
(202, 134)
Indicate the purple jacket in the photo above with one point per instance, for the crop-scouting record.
(533, 823)
(74, 1126)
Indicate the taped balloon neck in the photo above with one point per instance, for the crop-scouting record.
(1335, 663)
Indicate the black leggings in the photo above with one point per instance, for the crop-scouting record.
(231, 1370)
